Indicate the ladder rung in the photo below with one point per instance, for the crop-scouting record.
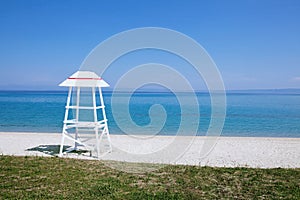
(86, 125)
(73, 121)
(85, 107)
(90, 130)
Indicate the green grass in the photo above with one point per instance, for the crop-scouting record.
(56, 178)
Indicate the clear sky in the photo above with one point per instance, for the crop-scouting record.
(255, 44)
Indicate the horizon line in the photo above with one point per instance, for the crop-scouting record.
(294, 90)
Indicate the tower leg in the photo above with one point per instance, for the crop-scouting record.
(65, 119)
(77, 116)
(96, 122)
(62, 145)
(104, 118)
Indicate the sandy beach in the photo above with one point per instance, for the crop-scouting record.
(227, 151)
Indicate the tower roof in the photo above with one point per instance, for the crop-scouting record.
(84, 79)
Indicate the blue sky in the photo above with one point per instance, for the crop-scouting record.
(255, 44)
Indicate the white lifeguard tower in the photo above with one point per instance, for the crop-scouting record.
(86, 131)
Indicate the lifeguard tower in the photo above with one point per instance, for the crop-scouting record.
(84, 126)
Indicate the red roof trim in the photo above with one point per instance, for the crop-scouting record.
(85, 78)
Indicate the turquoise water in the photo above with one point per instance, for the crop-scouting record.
(248, 114)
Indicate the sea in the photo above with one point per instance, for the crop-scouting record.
(249, 113)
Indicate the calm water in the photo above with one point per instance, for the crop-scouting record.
(265, 115)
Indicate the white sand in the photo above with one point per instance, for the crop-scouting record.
(228, 151)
